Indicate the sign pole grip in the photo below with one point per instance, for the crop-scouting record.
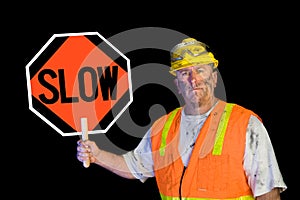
(84, 129)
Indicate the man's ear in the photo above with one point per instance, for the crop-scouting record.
(177, 85)
(215, 78)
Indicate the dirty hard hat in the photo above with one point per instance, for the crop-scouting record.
(190, 52)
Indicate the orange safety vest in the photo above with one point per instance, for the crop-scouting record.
(215, 170)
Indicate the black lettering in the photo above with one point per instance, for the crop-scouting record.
(62, 86)
(108, 81)
(55, 92)
(81, 79)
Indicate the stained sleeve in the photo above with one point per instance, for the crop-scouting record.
(260, 164)
(139, 160)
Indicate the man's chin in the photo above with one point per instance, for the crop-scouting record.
(196, 101)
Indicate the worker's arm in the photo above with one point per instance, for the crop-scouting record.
(88, 150)
(274, 194)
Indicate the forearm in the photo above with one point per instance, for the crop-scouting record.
(272, 195)
(114, 163)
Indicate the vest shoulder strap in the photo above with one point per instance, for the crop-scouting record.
(166, 129)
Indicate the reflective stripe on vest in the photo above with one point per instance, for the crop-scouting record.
(222, 129)
(166, 131)
(177, 198)
(220, 132)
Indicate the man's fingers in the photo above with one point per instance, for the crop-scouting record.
(83, 149)
(83, 156)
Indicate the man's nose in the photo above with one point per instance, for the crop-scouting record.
(193, 77)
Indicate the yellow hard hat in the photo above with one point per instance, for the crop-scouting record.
(190, 52)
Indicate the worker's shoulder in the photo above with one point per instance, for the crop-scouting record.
(244, 110)
(162, 119)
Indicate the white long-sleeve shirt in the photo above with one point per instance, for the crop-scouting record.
(260, 162)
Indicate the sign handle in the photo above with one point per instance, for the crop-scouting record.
(85, 133)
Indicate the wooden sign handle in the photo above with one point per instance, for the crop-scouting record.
(85, 133)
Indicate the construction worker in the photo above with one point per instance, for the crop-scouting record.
(205, 149)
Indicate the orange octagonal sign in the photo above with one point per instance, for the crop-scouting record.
(75, 76)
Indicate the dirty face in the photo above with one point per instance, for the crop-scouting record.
(196, 84)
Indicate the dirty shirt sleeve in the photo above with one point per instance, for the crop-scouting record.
(260, 162)
(139, 160)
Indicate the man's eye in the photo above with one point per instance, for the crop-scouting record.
(199, 70)
(185, 73)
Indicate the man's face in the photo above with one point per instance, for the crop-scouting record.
(196, 83)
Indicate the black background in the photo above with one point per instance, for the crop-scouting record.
(253, 43)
